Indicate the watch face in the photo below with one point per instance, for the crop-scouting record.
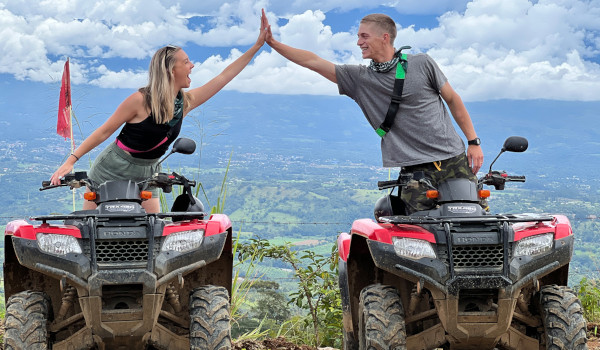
(476, 142)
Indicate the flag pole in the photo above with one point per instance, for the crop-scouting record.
(72, 144)
(71, 129)
(64, 125)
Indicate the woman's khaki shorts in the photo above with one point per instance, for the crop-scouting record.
(115, 164)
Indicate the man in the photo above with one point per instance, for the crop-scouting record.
(420, 137)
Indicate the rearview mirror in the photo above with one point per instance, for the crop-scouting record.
(181, 145)
(184, 145)
(512, 144)
(515, 144)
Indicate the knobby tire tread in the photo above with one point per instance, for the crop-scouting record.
(209, 319)
(381, 319)
(26, 321)
(562, 316)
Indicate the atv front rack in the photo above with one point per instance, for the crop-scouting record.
(82, 216)
(402, 219)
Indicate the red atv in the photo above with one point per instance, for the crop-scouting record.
(118, 278)
(456, 277)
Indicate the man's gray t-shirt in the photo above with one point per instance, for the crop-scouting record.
(422, 131)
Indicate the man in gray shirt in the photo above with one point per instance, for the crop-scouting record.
(422, 137)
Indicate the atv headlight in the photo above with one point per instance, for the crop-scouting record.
(533, 245)
(58, 244)
(413, 248)
(183, 241)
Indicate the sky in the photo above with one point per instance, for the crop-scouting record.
(488, 49)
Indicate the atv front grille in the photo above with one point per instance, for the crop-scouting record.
(116, 253)
(122, 251)
(474, 256)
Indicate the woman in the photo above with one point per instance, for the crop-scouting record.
(152, 117)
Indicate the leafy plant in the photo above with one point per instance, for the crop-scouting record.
(318, 291)
(589, 294)
(241, 286)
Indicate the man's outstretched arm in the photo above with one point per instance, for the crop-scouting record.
(462, 118)
(302, 57)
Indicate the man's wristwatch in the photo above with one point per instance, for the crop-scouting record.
(476, 141)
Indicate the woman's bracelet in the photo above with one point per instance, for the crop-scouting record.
(73, 154)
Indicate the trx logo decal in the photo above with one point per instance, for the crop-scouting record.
(119, 207)
(462, 209)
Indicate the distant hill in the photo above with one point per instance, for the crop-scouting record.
(563, 135)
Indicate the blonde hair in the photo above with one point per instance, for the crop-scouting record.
(158, 94)
(383, 22)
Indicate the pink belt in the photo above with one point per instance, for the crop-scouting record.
(131, 150)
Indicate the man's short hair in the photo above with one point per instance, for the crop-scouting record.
(384, 22)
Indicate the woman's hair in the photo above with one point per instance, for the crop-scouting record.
(159, 96)
(383, 22)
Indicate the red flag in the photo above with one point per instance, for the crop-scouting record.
(63, 126)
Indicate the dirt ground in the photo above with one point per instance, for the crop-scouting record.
(282, 344)
(270, 344)
(593, 340)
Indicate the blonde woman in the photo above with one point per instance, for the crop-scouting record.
(152, 118)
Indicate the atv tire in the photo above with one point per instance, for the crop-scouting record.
(562, 316)
(381, 319)
(209, 319)
(26, 322)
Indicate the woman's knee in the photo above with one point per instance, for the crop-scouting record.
(151, 205)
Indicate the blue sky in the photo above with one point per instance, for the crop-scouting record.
(489, 49)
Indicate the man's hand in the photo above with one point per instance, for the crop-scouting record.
(475, 157)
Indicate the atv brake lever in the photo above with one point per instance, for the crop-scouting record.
(48, 186)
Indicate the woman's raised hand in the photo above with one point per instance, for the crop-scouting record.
(265, 28)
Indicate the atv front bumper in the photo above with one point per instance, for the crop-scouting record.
(449, 280)
(81, 271)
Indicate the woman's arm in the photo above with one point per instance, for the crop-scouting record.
(127, 110)
(203, 93)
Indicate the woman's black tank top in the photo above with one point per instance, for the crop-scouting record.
(149, 140)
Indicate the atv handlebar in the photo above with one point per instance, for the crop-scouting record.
(166, 181)
(402, 180)
(73, 180)
(495, 178)
(160, 180)
(499, 178)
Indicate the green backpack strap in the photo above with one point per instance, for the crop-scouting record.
(396, 95)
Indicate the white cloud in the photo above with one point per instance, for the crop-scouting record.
(123, 78)
(516, 49)
(488, 48)
(428, 7)
(35, 36)
(495, 49)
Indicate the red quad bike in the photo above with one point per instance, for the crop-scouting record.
(118, 278)
(456, 277)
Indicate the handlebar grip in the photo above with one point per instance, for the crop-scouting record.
(516, 178)
(387, 184)
(45, 183)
